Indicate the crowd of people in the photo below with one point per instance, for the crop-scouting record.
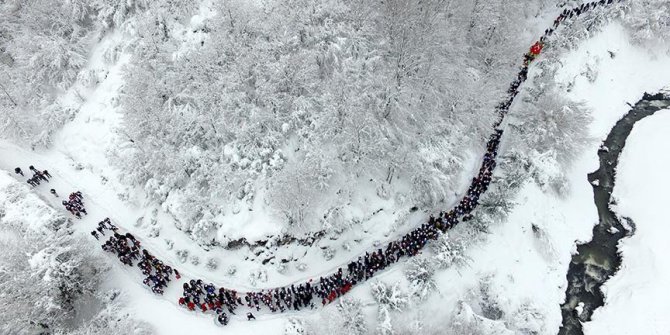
(128, 249)
(75, 204)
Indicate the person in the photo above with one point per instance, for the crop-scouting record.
(46, 173)
(32, 168)
(18, 171)
(95, 234)
(176, 274)
(250, 316)
(223, 319)
(39, 175)
(536, 49)
(54, 193)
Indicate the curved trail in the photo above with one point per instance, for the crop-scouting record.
(598, 260)
(416, 239)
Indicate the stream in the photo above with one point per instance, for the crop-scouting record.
(598, 260)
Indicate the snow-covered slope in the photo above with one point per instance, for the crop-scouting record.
(638, 297)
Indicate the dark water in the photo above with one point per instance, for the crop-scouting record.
(596, 261)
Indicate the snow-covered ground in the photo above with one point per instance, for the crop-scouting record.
(525, 269)
(529, 269)
(638, 296)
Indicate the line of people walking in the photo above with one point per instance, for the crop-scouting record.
(128, 249)
(197, 295)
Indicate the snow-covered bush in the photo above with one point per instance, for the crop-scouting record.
(466, 321)
(450, 251)
(389, 299)
(328, 253)
(182, 255)
(301, 266)
(548, 128)
(294, 326)
(419, 273)
(257, 276)
(212, 264)
(391, 296)
(195, 260)
(44, 278)
(232, 270)
(648, 20)
(527, 319)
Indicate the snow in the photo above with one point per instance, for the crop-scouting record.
(638, 296)
(524, 268)
(527, 269)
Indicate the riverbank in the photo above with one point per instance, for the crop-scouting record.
(599, 259)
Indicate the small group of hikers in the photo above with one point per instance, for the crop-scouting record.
(37, 178)
(103, 225)
(75, 204)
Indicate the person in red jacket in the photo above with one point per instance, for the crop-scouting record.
(536, 48)
(182, 301)
(191, 306)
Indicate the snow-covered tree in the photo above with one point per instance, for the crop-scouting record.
(44, 278)
(298, 102)
(466, 321)
(43, 46)
(113, 319)
(351, 314)
(548, 128)
(527, 319)
(390, 298)
(294, 327)
(450, 251)
(648, 20)
(419, 273)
